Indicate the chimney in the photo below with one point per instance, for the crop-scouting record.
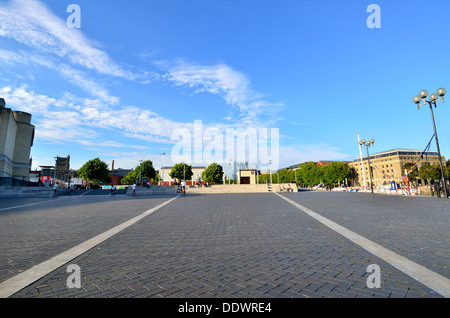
(112, 166)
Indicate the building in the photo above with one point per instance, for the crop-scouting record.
(247, 176)
(62, 174)
(388, 166)
(117, 175)
(16, 140)
(233, 168)
(164, 172)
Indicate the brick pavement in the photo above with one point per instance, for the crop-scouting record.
(414, 227)
(32, 234)
(241, 245)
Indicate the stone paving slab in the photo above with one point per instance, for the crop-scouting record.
(227, 246)
(417, 228)
(44, 228)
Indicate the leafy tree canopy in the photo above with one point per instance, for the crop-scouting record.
(336, 172)
(95, 171)
(179, 173)
(147, 172)
(213, 173)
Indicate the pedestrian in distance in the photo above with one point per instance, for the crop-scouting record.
(134, 189)
(55, 189)
(183, 187)
(113, 190)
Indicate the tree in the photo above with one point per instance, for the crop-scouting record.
(179, 173)
(95, 171)
(213, 173)
(130, 178)
(147, 172)
(147, 169)
(336, 172)
(310, 173)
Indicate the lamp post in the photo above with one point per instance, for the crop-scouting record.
(257, 174)
(140, 171)
(54, 173)
(440, 93)
(229, 177)
(270, 169)
(368, 144)
(164, 165)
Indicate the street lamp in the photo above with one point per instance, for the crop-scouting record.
(439, 95)
(229, 177)
(140, 171)
(368, 144)
(270, 169)
(54, 173)
(257, 174)
(164, 165)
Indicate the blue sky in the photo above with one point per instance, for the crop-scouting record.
(117, 87)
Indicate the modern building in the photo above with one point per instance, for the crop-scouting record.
(247, 176)
(166, 179)
(233, 167)
(16, 140)
(388, 166)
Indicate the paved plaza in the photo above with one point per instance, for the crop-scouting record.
(247, 246)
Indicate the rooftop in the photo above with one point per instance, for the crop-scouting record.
(398, 151)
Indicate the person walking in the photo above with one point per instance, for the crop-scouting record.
(134, 189)
(55, 189)
(183, 187)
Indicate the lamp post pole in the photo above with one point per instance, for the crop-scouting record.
(140, 172)
(270, 168)
(164, 166)
(432, 102)
(368, 144)
(229, 177)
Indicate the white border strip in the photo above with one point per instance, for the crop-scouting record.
(436, 282)
(20, 281)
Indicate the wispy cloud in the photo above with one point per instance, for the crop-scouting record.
(32, 23)
(232, 85)
(69, 117)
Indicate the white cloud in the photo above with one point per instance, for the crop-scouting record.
(77, 119)
(31, 23)
(232, 85)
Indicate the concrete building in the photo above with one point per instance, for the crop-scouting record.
(16, 140)
(166, 179)
(388, 166)
(247, 176)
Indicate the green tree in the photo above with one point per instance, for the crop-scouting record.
(213, 173)
(130, 178)
(336, 172)
(447, 169)
(429, 172)
(179, 173)
(147, 169)
(147, 172)
(95, 171)
(310, 173)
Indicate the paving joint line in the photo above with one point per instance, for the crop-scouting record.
(26, 278)
(434, 281)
